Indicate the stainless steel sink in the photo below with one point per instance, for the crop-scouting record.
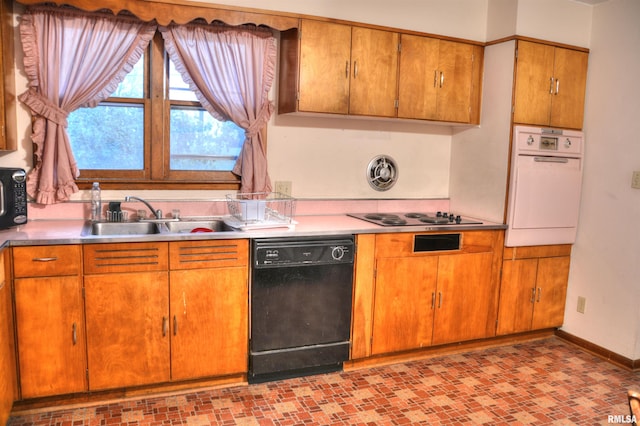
(121, 228)
(188, 226)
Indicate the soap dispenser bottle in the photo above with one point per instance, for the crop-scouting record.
(96, 202)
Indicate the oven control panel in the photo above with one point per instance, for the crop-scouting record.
(534, 140)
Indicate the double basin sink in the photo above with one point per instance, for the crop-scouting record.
(181, 226)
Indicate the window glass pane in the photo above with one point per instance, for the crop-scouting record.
(200, 142)
(108, 137)
(133, 84)
(178, 89)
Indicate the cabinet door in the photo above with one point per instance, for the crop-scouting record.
(403, 308)
(517, 295)
(209, 322)
(51, 339)
(8, 391)
(454, 81)
(567, 104)
(465, 298)
(127, 318)
(534, 87)
(374, 72)
(418, 78)
(325, 58)
(551, 292)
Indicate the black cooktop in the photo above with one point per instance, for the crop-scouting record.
(415, 219)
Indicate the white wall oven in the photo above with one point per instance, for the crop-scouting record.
(544, 187)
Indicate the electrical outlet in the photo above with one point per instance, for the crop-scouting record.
(582, 304)
(635, 180)
(283, 187)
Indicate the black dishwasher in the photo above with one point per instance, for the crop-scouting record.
(301, 293)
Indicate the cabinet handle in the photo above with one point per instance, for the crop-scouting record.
(165, 323)
(441, 79)
(539, 294)
(346, 69)
(439, 299)
(74, 333)
(44, 259)
(557, 86)
(433, 300)
(551, 86)
(435, 78)
(175, 325)
(533, 294)
(355, 69)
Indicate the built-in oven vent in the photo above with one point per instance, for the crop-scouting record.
(382, 173)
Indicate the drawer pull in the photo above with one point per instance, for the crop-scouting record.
(74, 333)
(175, 325)
(165, 324)
(44, 259)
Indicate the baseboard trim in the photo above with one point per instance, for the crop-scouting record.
(447, 349)
(614, 358)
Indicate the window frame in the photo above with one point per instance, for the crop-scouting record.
(156, 173)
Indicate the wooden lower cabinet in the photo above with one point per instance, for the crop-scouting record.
(407, 287)
(430, 298)
(161, 312)
(8, 383)
(209, 309)
(127, 329)
(534, 288)
(466, 301)
(209, 304)
(49, 312)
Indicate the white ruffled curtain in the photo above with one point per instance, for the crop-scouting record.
(72, 59)
(231, 70)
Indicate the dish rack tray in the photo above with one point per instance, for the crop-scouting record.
(261, 209)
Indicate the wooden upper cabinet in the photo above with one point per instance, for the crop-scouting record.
(346, 70)
(325, 60)
(439, 80)
(374, 71)
(550, 85)
(328, 67)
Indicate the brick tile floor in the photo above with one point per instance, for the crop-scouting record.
(544, 382)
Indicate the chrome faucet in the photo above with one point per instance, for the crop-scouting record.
(156, 213)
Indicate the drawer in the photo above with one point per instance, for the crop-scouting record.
(408, 244)
(125, 257)
(208, 254)
(46, 261)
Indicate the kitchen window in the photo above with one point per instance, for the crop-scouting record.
(145, 137)
(154, 131)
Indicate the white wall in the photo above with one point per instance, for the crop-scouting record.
(605, 265)
(327, 157)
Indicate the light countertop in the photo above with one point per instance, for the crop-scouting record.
(60, 231)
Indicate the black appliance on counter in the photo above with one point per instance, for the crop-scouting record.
(416, 219)
(13, 197)
(301, 293)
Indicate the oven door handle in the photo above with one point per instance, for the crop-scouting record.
(550, 160)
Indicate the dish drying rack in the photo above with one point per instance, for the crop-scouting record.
(260, 210)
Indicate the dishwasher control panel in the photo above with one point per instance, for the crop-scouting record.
(270, 252)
